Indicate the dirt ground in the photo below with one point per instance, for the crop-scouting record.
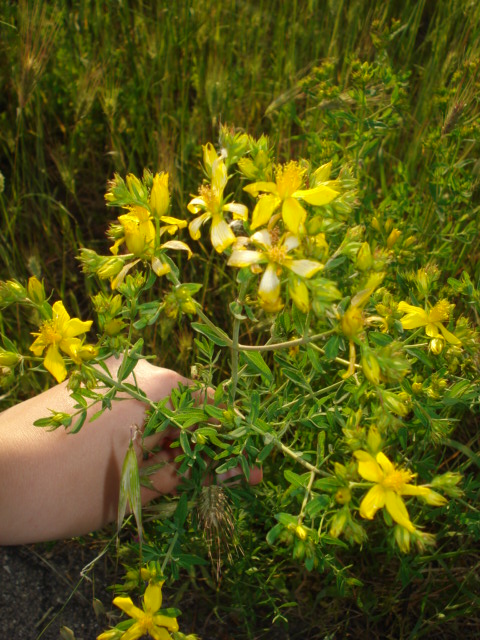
(42, 590)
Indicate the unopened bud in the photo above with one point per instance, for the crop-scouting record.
(136, 188)
(343, 495)
(36, 290)
(370, 367)
(436, 346)
(364, 257)
(402, 538)
(339, 521)
(352, 322)
(159, 195)
(8, 358)
(301, 532)
(393, 237)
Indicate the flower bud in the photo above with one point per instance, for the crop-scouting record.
(393, 237)
(436, 346)
(364, 257)
(110, 268)
(371, 367)
(402, 538)
(8, 358)
(435, 499)
(301, 532)
(136, 188)
(338, 523)
(374, 440)
(113, 327)
(343, 495)
(159, 195)
(417, 388)
(209, 157)
(352, 322)
(395, 404)
(36, 290)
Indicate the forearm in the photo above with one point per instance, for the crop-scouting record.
(54, 484)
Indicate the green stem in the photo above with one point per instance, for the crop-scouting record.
(235, 345)
(169, 552)
(289, 452)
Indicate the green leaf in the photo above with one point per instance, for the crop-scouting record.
(216, 336)
(130, 490)
(181, 511)
(295, 479)
(78, 424)
(254, 360)
(265, 452)
(332, 346)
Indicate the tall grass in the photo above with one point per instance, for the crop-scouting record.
(91, 87)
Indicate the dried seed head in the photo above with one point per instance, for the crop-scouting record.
(216, 519)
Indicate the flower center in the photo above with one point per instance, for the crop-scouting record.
(210, 197)
(397, 479)
(289, 178)
(147, 622)
(440, 311)
(277, 254)
(50, 333)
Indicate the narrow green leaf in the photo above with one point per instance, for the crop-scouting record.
(255, 361)
(130, 490)
(215, 336)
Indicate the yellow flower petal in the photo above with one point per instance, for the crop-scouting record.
(431, 330)
(264, 210)
(397, 509)
(244, 258)
(152, 598)
(181, 224)
(304, 268)
(126, 605)
(177, 245)
(136, 631)
(269, 289)
(54, 363)
(385, 464)
(219, 175)
(368, 467)
(255, 188)
(299, 293)
(194, 226)
(317, 196)
(158, 633)
(38, 345)
(372, 502)
(220, 234)
(166, 621)
(449, 337)
(75, 327)
(293, 214)
(239, 211)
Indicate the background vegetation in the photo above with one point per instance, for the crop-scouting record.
(390, 88)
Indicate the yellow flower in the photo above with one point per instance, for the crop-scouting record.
(138, 230)
(432, 320)
(276, 257)
(210, 202)
(390, 484)
(147, 621)
(285, 191)
(60, 333)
